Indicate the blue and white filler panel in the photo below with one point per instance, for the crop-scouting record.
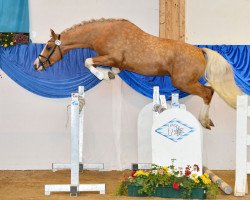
(176, 134)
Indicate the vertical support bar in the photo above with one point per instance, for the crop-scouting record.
(163, 101)
(241, 146)
(156, 95)
(175, 100)
(81, 124)
(74, 144)
(117, 118)
(156, 99)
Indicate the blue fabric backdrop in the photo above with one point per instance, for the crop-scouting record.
(14, 16)
(56, 82)
(65, 76)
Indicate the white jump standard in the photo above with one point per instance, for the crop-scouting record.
(76, 155)
(242, 142)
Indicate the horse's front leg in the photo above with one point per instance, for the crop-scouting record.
(109, 73)
(99, 72)
(90, 65)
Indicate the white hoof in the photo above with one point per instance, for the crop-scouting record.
(106, 77)
(105, 72)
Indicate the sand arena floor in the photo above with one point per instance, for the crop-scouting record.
(29, 185)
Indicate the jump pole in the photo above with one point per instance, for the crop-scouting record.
(76, 154)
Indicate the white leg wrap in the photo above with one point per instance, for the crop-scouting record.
(89, 64)
(115, 70)
(105, 72)
(204, 115)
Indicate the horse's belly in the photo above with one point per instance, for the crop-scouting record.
(148, 69)
(146, 61)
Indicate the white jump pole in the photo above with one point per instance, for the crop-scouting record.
(76, 154)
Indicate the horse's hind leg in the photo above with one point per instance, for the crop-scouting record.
(204, 117)
(206, 93)
(102, 73)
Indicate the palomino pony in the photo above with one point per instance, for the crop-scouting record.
(122, 45)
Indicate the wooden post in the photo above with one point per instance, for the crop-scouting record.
(172, 19)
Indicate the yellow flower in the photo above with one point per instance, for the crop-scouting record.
(141, 173)
(206, 175)
(12, 43)
(193, 176)
(196, 180)
(165, 169)
(205, 179)
(5, 45)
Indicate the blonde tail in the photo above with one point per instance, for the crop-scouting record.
(220, 76)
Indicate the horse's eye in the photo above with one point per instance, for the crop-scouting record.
(48, 48)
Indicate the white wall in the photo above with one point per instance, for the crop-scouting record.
(33, 132)
(61, 14)
(217, 21)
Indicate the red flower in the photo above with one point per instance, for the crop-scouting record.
(133, 173)
(187, 172)
(176, 185)
(197, 167)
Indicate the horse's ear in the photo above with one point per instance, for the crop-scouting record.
(53, 35)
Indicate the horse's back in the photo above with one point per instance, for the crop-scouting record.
(138, 51)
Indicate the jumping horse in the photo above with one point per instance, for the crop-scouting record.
(124, 46)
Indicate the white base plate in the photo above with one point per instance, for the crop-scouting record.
(81, 188)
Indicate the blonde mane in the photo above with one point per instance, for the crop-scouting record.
(91, 21)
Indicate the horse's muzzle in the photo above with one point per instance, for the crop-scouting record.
(37, 65)
(38, 68)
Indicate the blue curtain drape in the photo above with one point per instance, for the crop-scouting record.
(56, 82)
(14, 16)
(65, 76)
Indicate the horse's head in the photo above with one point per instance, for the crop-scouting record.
(51, 53)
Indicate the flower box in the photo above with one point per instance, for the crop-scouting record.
(169, 192)
(178, 183)
(133, 191)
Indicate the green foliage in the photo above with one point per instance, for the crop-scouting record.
(212, 191)
(122, 190)
(170, 176)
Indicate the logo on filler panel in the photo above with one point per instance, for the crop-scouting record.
(175, 130)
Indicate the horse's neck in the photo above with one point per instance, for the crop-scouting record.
(80, 37)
